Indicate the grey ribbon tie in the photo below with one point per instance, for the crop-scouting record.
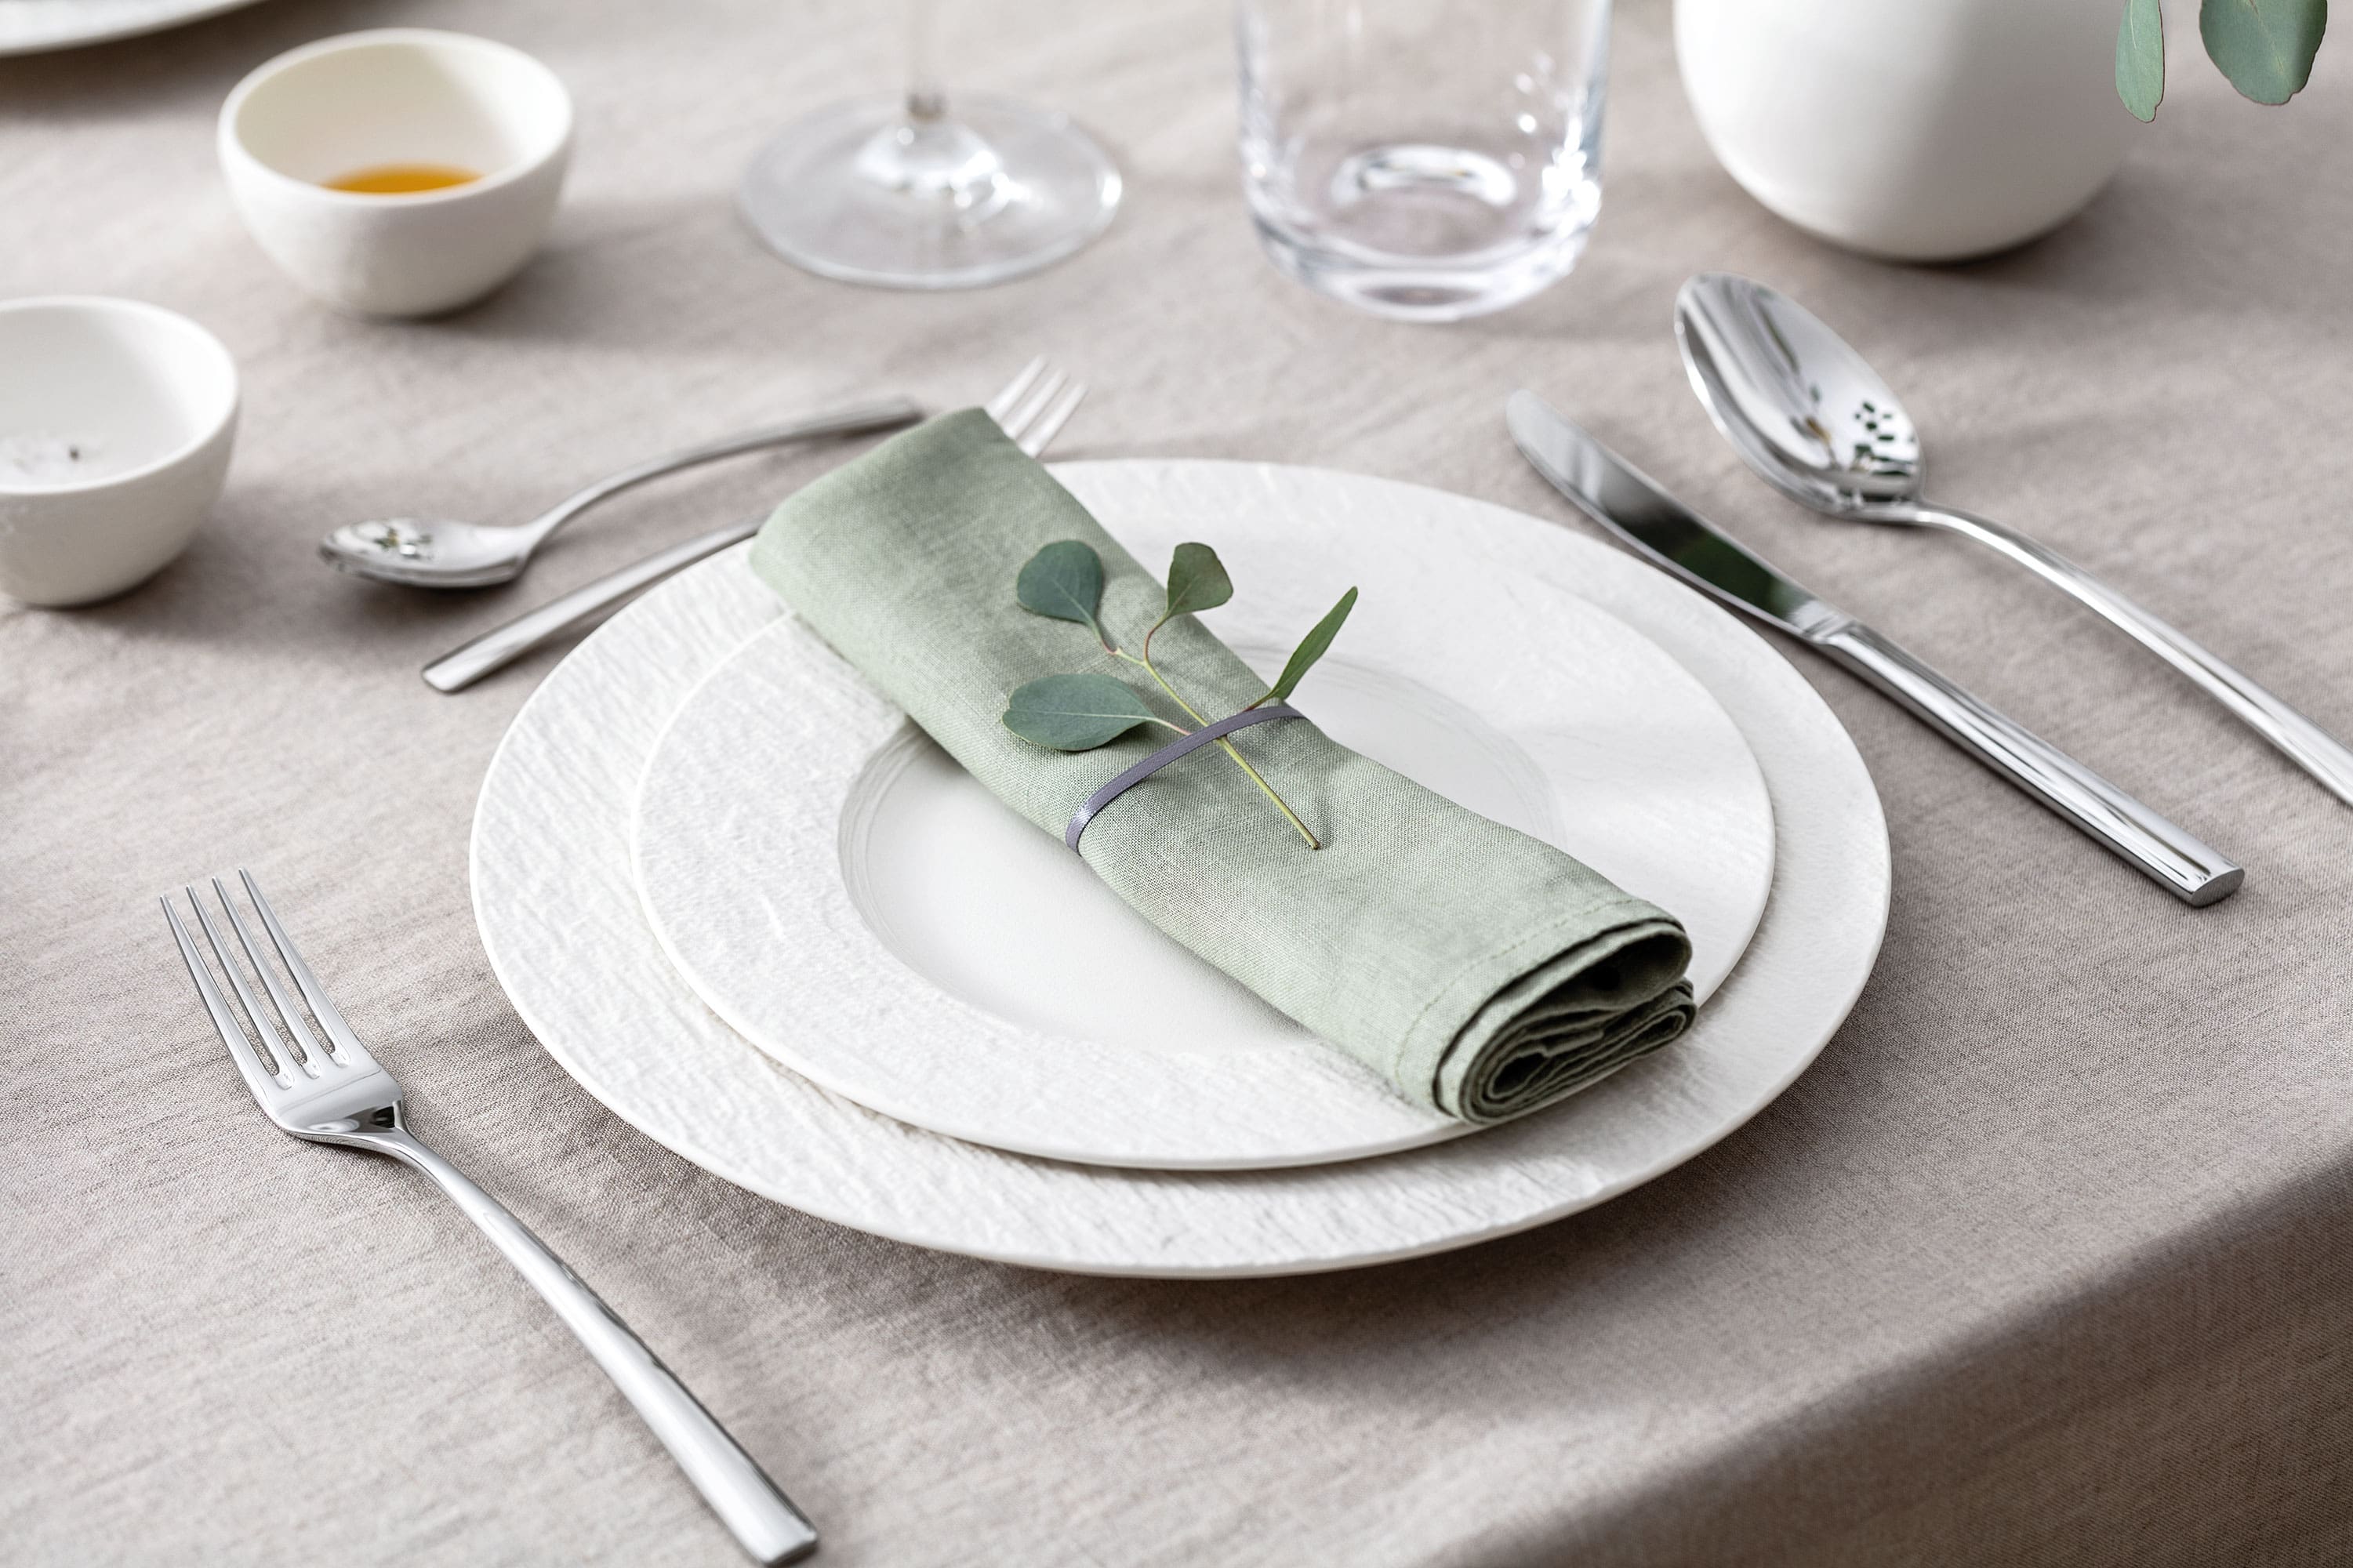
(1183, 746)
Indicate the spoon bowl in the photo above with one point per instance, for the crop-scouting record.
(429, 553)
(1796, 401)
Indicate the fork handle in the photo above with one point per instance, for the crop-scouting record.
(885, 414)
(762, 1519)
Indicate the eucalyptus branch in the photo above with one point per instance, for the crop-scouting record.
(1078, 712)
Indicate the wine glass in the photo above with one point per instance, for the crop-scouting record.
(900, 192)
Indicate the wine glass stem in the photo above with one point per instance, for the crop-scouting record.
(927, 99)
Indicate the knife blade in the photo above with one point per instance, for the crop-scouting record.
(1633, 506)
(1630, 504)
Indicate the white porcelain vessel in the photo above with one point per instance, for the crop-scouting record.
(397, 95)
(116, 421)
(1923, 131)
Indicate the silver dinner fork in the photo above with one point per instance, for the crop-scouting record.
(332, 1090)
(1031, 409)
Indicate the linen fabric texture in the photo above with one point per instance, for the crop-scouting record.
(1481, 971)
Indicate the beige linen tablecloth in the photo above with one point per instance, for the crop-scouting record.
(2048, 1259)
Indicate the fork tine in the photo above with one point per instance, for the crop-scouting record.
(1036, 402)
(289, 1065)
(346, 1045)
(263, 1083)
(1002, 403)
(289, 1015)
(1049, 423)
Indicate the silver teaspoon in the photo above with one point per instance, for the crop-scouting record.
(1805, 411)
(447, 554)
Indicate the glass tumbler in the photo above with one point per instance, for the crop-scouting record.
(1426, 160)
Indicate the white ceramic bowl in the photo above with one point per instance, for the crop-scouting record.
(397, 95)
(116, 420)
(1917, 130)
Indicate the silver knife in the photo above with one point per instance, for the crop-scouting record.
(1627, 503)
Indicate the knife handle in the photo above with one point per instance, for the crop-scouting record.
(2191, 871)
(504, 643)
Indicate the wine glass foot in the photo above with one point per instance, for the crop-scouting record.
(867, 192)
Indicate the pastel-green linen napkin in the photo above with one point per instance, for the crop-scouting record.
(1479, 971)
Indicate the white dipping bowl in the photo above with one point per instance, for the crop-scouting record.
(116, 420)
(397, 95)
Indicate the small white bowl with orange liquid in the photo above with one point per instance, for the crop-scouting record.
(402, 172)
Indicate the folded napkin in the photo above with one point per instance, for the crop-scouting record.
(1479, 971)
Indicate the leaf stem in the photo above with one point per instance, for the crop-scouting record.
(1259, 779)
(1226, 746)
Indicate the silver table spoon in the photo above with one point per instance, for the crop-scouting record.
(1802, 408)
(446, 553)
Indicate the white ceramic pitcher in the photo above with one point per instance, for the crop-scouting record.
(1917, 130)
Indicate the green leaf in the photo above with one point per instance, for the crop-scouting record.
(1065, 580)
(2264, 46)
(1196, 581)
(2140, 58)
(1075, 712)
(1310, 649)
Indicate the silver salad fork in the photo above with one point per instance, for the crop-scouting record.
(334, 1091)
(1031, 409)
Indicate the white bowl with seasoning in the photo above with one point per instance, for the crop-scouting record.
(116, 421)
(402, 172)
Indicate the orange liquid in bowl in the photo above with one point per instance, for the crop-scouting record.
(403, 179)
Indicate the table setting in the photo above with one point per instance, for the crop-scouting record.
(1143, 788)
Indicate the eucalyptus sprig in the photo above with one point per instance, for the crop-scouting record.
(1081, 711)
(2264, 46)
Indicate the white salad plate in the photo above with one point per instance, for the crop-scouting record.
(848, 900)
(34, 27)
(560, 919)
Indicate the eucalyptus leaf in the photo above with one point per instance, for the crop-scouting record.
(1311, 647)
(1065, 580)
(2264, 46)
(1196, 581)
(1075, 712)
(2140, 58)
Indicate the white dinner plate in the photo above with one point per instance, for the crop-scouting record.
(852, 902)
(560, 920)
(34, 27)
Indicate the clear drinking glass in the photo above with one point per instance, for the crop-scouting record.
(1427, 160)
(897, 190)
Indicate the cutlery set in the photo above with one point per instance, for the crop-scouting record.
(1630, 505)
(1812, 419)
(1798, 405)
(1801, 407)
